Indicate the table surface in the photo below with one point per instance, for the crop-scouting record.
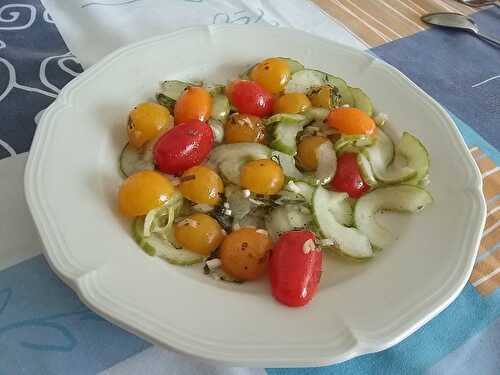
(44, 328)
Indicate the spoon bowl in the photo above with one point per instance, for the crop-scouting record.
(457, 21)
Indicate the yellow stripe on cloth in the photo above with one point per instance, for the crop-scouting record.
(486, 274)
(380, 21)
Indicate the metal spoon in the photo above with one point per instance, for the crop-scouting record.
(457, 21)
(479, 3)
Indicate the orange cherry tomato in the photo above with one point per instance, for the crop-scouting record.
(143, 191)
(194, 104)
(262, 177)
(294, 102)
(199, 233)
(244, 253)
(244, 128)
(307, 151)
(272, 74)
(201, 185)
(146, 121)
(350, 120)
(323, 96)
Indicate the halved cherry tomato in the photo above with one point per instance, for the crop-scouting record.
(195, 103)
(350, 120)
(295, 268)
(262, 176)
(244, 128)
(294, 102)
(272, 74)
(146, 121)
(201, 185)
(183, 147)
(323, 96)
(307, 151)
(348, 176)
(199, 233)
(143, 191)
(245, 252)
(250, 98)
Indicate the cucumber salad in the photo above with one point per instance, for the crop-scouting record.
(266, 174)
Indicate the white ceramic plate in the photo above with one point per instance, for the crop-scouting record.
(72, 180)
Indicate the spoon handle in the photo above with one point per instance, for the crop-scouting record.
(489, 39)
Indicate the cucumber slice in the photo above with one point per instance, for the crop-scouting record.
(287, 163)
(354, 140)
(317, 114)
(305, 190)
(416, 155)
(346, 97)
(392, 132)
(381, 155)
(350, 148)
(213, 89)
(286, 218)
(287, 119)
(350, 241)
(340, 206)
(327, 163)
(304, 80)
(284, 129)
(401, 198)
(362, 101)
(366, 170)
(239, 204)
(285, 138)
(133, 160)
(217, 129)
(154, 245)
(220, 107)
(165, 101)
(173, 89)
(230, 157)
(293, 65)
(297, 191)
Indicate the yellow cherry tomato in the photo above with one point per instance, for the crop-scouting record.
(262, 177)
(322, 96)
(146, 121)
(199, 233)
(294, 102)
(272, 74)
(195, 103)
(201, 185)
(244, 253)
(244, 128)
(143, 191)
(351, 121)
(307, 151)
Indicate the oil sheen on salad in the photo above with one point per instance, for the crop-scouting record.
(264, 175)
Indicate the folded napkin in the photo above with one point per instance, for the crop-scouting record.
(93, 29)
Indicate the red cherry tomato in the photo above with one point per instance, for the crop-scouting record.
(295, 268)
(183, 147)
(348, 176)
(250, 98)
